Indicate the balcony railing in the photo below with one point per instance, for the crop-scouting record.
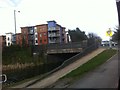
(53, 35)
(54, 29)
(54, 41)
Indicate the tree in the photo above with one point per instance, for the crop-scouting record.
(93, 38)
(77, 35)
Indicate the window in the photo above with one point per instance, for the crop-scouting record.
(40, 35)
(44, 40)
(35, 27)
(35, 36)
(36, 41)
(8, 38)
(40, 29)
(40, 41)
(31, 31)
(8, 44)
(44, 34)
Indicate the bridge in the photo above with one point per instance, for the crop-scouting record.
(61, 52)
(61, 48)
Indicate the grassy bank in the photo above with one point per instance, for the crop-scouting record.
(93, 63)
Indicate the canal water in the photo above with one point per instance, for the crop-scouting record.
(29, 72)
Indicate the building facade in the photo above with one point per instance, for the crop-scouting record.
(2, 41)
(41, 36)
(28, 34)
(19, 39)
(44, 34)
(9, 37)
(56, 33)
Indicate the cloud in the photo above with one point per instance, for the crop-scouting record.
(12, 3)
(15, 2)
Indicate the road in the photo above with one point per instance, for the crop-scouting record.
(105, 76)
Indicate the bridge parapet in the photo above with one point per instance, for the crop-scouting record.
(72, 50)
(61, 48)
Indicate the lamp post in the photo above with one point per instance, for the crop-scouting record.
(15, 19)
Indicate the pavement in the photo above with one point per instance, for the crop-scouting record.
(105, 76)
(55, 76)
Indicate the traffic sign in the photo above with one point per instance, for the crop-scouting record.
(109, 32)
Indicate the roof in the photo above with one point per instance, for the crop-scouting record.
(9, 33)
(18, 33)
(27, 26)
(52, 21)
(2, 36)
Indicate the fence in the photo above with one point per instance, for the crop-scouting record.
(69, 61)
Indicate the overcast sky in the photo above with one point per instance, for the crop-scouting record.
(89, 15)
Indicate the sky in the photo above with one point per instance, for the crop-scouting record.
(95, 16)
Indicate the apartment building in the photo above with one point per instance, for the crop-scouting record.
(44, 34)
(28, 34)
(9, 37)
(19, 39)
(41, 34)
(2, 41)
(56, 33)
(64, 35)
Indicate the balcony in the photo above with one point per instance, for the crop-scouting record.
(54, 35)
(30, 37)
(54, 40)
(53, 29)
(31, 32)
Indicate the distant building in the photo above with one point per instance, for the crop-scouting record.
(64, 35)
(9, 39)
(44, 34)
(56, 33)
(41, 36)
(2, 41)
(14, 39)
(68, 39)
(107, 43)
(28, 34)
(19, 39)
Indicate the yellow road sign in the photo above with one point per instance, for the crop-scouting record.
(109, 32)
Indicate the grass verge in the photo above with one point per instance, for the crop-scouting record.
(93, 63)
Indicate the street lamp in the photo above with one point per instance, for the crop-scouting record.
(15, 19)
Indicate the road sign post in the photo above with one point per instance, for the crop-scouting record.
(109, 33)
